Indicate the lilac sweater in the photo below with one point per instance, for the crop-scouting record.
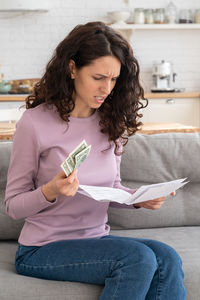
(41, 143)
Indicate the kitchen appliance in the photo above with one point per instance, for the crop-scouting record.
(163, 77)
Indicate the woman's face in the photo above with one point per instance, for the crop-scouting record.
(93, 83)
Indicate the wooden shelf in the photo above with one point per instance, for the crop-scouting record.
(154, 128)
(9, 97)
(172, 95)
(14, 13)
(128, 29)
(21, 10)
(129, 26)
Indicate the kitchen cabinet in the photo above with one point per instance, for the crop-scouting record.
(173, 110)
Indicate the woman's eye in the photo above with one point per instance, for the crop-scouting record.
(97, 78)
(101, 78)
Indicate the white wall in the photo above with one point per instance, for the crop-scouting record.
(27, 41)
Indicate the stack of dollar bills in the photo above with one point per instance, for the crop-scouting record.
(76, 157)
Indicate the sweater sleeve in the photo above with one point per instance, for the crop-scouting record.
(117, 184)
(22, 198)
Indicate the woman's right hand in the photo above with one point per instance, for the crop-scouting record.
(61, 185)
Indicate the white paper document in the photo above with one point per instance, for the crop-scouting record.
(143, 193)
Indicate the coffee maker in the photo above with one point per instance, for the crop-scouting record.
(163, 77)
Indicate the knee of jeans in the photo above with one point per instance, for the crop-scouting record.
(169, 254)
(139, 253)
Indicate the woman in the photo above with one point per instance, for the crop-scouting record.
(90, 91)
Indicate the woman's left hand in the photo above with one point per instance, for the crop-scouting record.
(153, 204)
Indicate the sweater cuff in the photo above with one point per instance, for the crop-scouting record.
(43, 200)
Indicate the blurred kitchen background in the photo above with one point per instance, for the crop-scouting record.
(28, 39)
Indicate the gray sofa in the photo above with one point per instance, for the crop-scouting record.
(147, 159)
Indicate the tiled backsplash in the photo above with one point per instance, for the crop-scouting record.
(27, 41)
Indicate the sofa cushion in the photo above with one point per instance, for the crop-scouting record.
(9, 228)
(157, 158)
(161, 157)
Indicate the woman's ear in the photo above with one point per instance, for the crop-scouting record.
(72, 68)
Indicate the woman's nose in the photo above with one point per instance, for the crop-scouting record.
(106, 87)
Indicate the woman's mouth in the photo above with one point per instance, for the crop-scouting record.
(99, 99)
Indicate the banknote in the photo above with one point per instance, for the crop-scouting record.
(66, 168)
(78, 149)
(76, 157)
(80, 157)
(70, 163)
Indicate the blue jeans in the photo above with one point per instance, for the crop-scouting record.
(129, 268)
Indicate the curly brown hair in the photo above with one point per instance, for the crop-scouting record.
(119, 114)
